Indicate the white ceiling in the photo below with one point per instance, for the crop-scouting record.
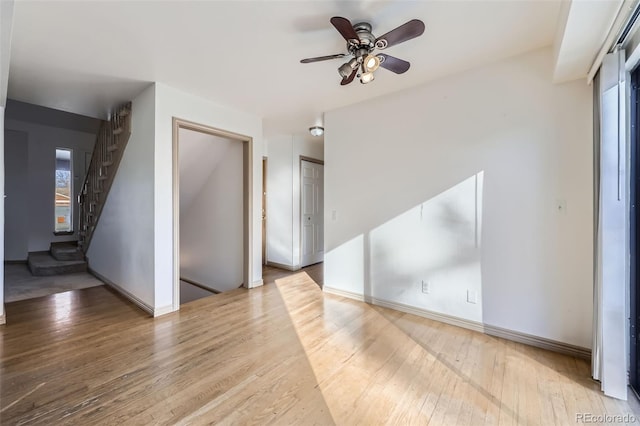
(83, 57)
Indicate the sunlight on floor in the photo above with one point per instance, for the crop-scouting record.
(63, 306)
(376, 365)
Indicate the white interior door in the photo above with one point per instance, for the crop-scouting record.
(312, 209)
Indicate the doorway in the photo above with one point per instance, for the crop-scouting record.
(211, 211)
(311, 211)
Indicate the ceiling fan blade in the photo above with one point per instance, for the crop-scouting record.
(407, 31)
(394, 64)
(349, 79)
(344, 27)
(322, 58)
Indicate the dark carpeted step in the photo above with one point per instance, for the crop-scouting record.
(66, 251)
(43, 264)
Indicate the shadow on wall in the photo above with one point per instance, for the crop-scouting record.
(428, 257)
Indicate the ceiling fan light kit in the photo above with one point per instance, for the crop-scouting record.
(360, 46)
(366, 77)
(347, 68)
(371, 63)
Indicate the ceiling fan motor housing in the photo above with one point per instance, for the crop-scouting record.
(367, 40)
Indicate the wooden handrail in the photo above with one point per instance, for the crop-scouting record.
(110, 144)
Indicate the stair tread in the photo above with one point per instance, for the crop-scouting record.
(43, 264)
(66, 252)
(45, 258)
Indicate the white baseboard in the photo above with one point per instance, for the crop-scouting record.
(540, 342)
(283, 266)
(134, 299)
(3, 319)
(344, 293)
(447, 319)
(491, 330)
(163, 311)
(258, 283)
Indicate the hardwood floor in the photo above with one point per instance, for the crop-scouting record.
(284, 353)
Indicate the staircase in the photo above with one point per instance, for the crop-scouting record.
(62, 258)
(107, 153)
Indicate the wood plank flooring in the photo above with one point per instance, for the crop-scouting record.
(284, 353)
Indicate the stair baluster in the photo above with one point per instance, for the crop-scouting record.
(110, 144)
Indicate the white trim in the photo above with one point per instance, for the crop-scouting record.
(247, 164)
(163, 311)
(344, 293)
(134, 299)
(624, 13)
(491, 330)
(258, 283)
(540, 342)
(283, 266)
(3, 319)
(447, 319)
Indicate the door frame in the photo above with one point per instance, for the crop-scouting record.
(247, 163)
(310, 160)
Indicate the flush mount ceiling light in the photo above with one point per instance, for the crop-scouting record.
(316, 130)
(360, 46)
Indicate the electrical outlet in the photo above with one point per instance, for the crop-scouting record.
(426, 287)
(472, 296)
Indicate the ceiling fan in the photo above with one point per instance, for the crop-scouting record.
(360, 45)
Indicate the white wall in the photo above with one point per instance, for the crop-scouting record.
(6, 25)
(211, 226)
(42, 143)
(283, 195)
(2, 315)
(280, 200)
(16, 225)
(122, 246)
(133, 243)
(6, 22)
(459, 186)
(172, 103)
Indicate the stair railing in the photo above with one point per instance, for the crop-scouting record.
(110, 144)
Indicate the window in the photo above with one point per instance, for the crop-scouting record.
(63, 194)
